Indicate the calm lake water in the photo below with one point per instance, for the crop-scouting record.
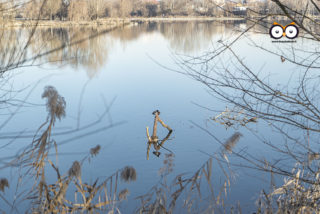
(126, 67)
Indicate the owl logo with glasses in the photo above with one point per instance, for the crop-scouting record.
(277, 31)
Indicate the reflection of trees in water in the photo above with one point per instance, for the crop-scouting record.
(13, 45)
(182, 36)
(152, 26)
(131, 33)
(190, 36)
(8, 41)
(50, 39)
(90, 53)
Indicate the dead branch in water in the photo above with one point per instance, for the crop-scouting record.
(154, 140)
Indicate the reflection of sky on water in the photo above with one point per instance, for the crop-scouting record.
(141, 86)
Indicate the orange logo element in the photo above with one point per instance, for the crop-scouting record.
(277, 31)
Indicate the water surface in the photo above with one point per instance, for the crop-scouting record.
(125, 70)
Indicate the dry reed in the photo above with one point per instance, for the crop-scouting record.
(95, 150)
(55, 103)
(75, 170)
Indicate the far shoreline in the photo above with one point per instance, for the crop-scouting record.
(190, 18)
(114, 22)
(109, 22)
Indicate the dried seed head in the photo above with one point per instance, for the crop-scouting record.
(55, 103)
(128, 174)
(123, 194)
(232, 141)
(95, 150)
(3, 183)
(75, 170)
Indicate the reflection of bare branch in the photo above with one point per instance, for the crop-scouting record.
(232, 117)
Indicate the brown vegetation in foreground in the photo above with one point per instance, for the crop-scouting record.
(68, 193)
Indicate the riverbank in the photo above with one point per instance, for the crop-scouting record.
(177, 19)
(108, 22)
(117, 22)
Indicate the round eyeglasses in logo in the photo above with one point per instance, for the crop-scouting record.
(277, 31)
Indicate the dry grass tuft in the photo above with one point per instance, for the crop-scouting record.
(3, 184)
(55, 103)
(128, 174)
(75, 170)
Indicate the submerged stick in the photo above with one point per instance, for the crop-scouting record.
(154, 138)
(154, 133)
(164, 125)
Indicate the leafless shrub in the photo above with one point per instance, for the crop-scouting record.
(290, 108)
(128, 174)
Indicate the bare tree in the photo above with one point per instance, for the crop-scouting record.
(254, 97)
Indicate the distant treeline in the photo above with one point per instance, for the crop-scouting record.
(77, 10)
